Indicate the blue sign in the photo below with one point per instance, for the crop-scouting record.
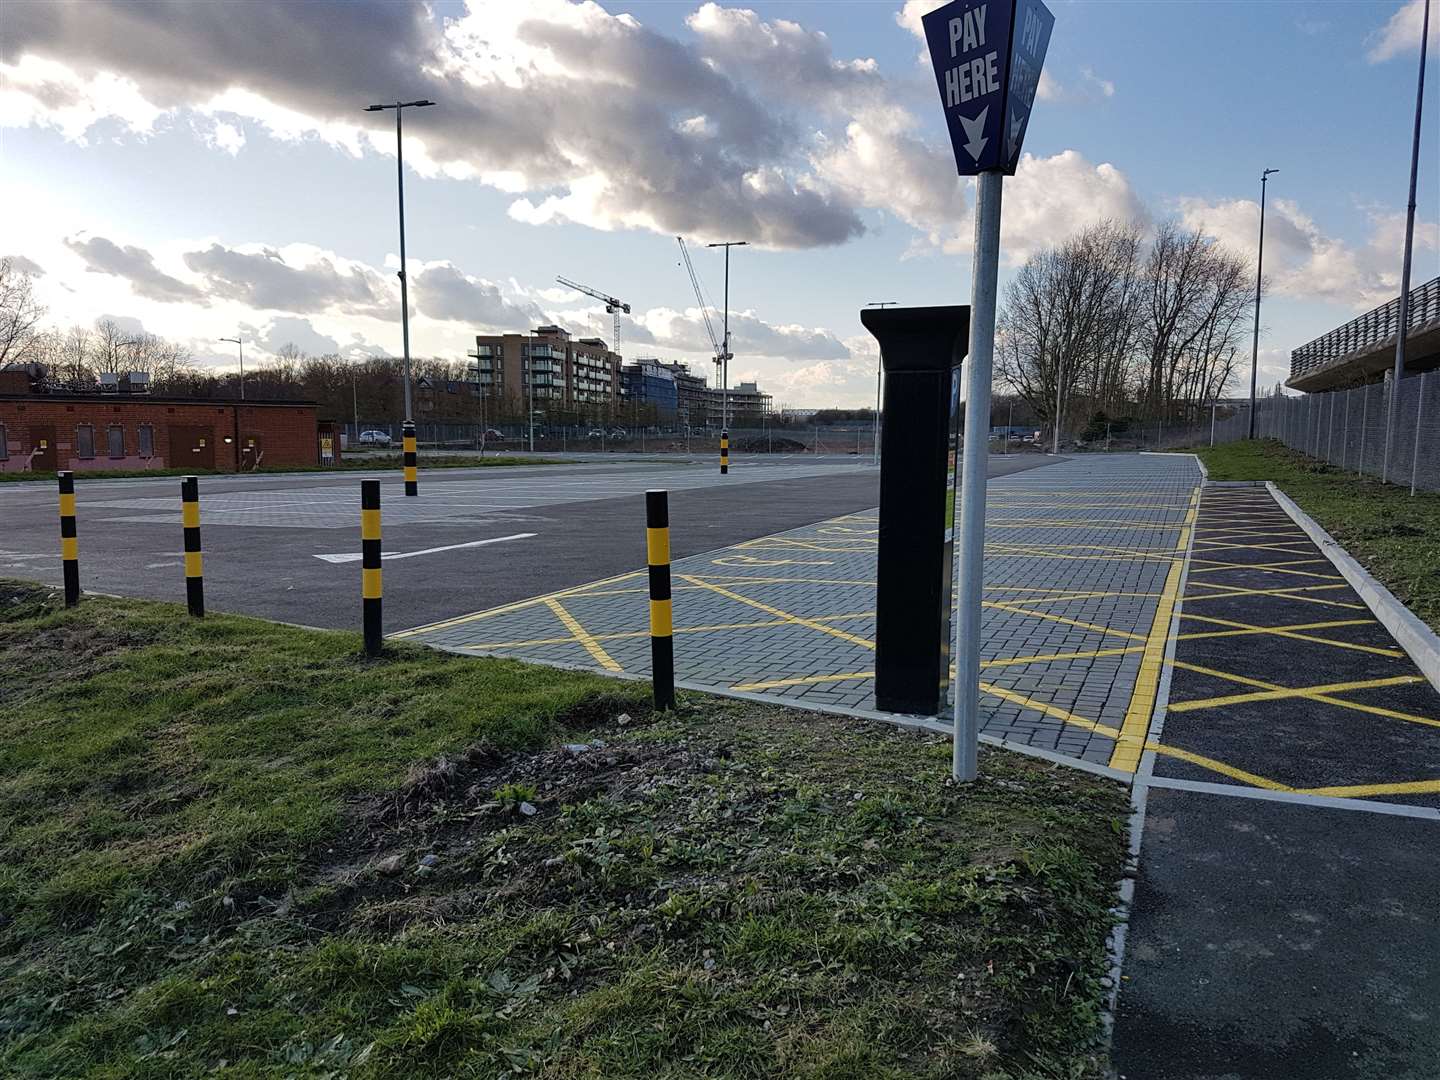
(987, 56)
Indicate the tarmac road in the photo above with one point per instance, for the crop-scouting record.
(263, 535)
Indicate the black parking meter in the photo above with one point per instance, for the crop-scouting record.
(921, 350)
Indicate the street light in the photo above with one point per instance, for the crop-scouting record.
(400, 107)
(725, 353)
(879, 376)
(1259, 270)
(241, 343)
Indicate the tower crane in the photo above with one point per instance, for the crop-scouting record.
(720, 356)
(613, 305)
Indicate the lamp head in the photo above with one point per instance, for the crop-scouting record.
(1267, 172)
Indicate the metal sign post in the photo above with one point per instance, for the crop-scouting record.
(987, 56)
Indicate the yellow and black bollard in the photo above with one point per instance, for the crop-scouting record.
(69, 539)
(412, 482)
(370, 563)
(662, 623)
(724, 451)
(190, 519)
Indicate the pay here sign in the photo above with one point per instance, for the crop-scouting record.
(987, 56)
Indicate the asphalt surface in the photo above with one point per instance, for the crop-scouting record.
(263, 535)
(1279, 936)
(1274, 941)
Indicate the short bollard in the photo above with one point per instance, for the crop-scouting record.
(662, 625)
(190, 519)
(370, 563)
(724, 452)
(69, 539)
(412, 482)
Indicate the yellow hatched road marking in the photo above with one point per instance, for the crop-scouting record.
(1243, 629)
(1136, 727)
(804, 680)
(1212, 566)
(583, 636)
(1284, 549)
(998, 606)
(1292, 593)
(1270, 691)
(519, 605)
(784, 615)
(619, 635)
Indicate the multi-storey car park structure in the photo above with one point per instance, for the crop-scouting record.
(1363, 350)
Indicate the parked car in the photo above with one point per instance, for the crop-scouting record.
(374, 438)
(595, 433)
(618, 433)
(491, 435)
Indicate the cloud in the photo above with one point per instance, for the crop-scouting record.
(264, 279)
(1052, 198)
(21, 265)
(749, 335)
(441, 291)
(137, 266)
(1401, 33)
(290, 330)
(584, 111)
(1303, 261)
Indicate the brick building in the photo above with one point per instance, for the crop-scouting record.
(48, 431)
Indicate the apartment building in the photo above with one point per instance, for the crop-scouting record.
(650, 390)
(566, 374)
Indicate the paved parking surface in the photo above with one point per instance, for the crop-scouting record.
(1083, 565)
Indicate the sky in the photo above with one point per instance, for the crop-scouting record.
(202, 170)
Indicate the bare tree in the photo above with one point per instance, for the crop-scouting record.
(20, 313)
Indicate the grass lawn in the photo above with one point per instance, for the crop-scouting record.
(361, 462)
(1395, 537)
(238, 849)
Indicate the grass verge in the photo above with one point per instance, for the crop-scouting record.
(1394, 536)
(234, 848)
(359, 463)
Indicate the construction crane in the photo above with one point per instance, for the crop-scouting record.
(613, 305)
(720, 356)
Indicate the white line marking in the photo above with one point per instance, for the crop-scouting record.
(354, 556)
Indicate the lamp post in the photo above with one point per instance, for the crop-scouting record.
(1259, 271)
(400, 107)
(725, 353)
(879, 377)
(240, 342)
(1404, 313)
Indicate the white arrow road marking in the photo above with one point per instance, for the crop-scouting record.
(975, 133)
(354, 556)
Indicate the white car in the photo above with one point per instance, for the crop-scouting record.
(374, 438)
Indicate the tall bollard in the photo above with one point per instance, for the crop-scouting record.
(69, 539)
(370, 563)
(724, 451)
(662, 626)
(412, 483)
(190, 519)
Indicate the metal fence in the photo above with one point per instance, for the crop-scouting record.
(1347, 429)
(858, 439)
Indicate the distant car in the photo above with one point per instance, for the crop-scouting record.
(491, 435)
(595, 433)
(618, 433)
(374, 438)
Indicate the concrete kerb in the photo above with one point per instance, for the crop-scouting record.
(1417, 639)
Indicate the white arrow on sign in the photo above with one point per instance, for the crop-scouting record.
(975, 139)
(354, 556)
(1015, 124)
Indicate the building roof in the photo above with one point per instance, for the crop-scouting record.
(155, 399)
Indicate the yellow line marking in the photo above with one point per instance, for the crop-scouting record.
(1284, 549)
(783, 615)
(1220, 767)
(1136, 726)
(996, 605)
(1086, 655)
(805, 680)
(1270, 692)
(1075, 596)
(582, 635)
(1242, 629)
(1287, 594)
(624, 634)
(1353, 791)
(519, 605)
(1215, 566)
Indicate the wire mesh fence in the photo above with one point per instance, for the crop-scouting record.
(1348, 429)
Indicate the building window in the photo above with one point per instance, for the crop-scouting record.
(84, 441)
(117, 441)
(4, 446)
(147, 441)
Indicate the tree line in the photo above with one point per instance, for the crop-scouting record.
(1117, 328)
